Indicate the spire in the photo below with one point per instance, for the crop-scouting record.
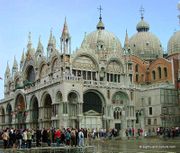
(126, 42)
(40, 46)
(65, 32)
(15, 64)
(22, 59)
(65, 40)
(178, 6)
(54, 41)
(100, 24)
(22, 56)
(7, 70)
(50, 38)
(30, 50)
(29, 45)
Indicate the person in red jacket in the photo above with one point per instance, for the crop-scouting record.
(57, 136)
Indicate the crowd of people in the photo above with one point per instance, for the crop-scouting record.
(23, 138)
(168, 132)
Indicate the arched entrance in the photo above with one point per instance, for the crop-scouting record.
(34, 112)
(20, 111)
(47, 111)
(93, 110)
(73, 102)
(9, 114)
(119, 102)
(2, 115)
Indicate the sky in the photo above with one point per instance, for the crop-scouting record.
(19, 17)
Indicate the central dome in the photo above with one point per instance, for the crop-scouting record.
(104, 40)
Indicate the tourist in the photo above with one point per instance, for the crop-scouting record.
(49, 137)
(81, 138)
(19, 138)
(29, 138)
(5, 137)
(57, 137)
(44, 136)
(24, 139)
(38, 137)
(67, 137)
(73, 137)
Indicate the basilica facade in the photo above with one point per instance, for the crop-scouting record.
(99, 85)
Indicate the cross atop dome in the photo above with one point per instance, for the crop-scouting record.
(100, 10)
(100, 25)
(142, 12)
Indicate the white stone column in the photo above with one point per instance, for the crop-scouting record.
(124, 125)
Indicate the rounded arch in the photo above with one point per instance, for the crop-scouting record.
(43, 70)
(34, 111)
(120, 98)
(20, 103)
(2, 114)
(73, 102)
(54, 64)
(9, 113)
(59, 97)
(47, 101)
(47, 106)
(88, 58)
(115, 65)
(30, 74)
(93, 101)
(73, 96)
(20, 111)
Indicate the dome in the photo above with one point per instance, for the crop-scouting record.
(107, 41)
(145, 44)
(174, 43)
(142, 26)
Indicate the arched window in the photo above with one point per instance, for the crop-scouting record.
(30, 74)
(165, 72)
(137, 78)
(159, 72)
(117, 113)
(154, 75)
(136, 68)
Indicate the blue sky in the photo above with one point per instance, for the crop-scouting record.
(19, 17)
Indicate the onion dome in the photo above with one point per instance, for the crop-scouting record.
(145, 44)
(142, 26)
(174, 43)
